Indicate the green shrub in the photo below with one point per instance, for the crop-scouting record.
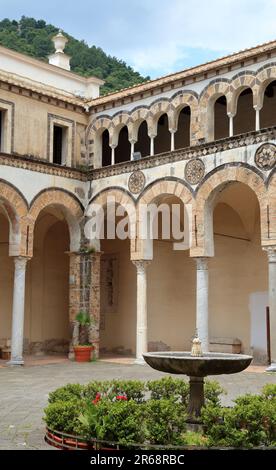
(170, 389)
(118, 421)
(178, 390)
(63, 416)
(66, 393)
(91, 389)
(269, 391)
(250, 423)
(212, 392)
(164, 422)
(132, 389)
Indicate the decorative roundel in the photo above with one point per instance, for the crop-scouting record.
(265, 157)
(194, 171)
(136, 182)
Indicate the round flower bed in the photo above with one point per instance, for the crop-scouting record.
(133, 414)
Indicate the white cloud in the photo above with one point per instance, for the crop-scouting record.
(156, 35)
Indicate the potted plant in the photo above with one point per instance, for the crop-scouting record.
(84, 348)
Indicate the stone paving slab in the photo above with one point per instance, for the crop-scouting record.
(24, 392)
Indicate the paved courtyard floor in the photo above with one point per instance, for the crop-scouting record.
(24, 392)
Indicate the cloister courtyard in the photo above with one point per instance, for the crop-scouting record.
(24, 391)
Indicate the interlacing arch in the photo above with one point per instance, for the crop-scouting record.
(264, 77)
(239, 83)
(70, 207)
(137, 117)
(118, 122)
(203, 215)
(15, 208)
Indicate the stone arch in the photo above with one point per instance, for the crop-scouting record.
(157, 108)
(15, 207)
(138, 116)
(115, 195)
(265, 75)
(94, 134)
(205, 198)
(70, 207)
(239, 83)
(208, 97)
(143, 249)
(190, 99)
(119, 120)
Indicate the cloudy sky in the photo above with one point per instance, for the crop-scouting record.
(157, 37)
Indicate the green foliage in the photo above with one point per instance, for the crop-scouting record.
(269, 391)
(250, 423)
(33, 37)
(63, 416)
(91, 389)
(169, 389)
(212, 392)
(118, 421)
(131, 389)
(83, 318)
(165, 422)
(66, 393)
(178, 390)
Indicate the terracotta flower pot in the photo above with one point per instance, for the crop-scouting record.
(83, 353)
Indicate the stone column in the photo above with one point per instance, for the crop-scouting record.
(202, 302)
(132, 143)
(152, 137)
(271, 252)
(141, 320)
(257, 120)
(113, 154)
(18, 309)
(172, 131)
(231, 124)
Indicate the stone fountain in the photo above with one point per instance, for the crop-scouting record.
(197, 365)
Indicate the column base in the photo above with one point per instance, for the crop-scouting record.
(140, 361)
(15, 362)
(272, 367)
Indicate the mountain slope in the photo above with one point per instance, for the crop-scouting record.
(33, 37)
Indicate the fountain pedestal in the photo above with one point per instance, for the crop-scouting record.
(196, 398)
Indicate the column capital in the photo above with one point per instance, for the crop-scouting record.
(230, 114)
(172, 130)
(257, 107)
(21, 261)
(201, 263)
(271, 253)
(141, 265)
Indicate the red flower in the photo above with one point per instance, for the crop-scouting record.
(97, 398)
(121, 397)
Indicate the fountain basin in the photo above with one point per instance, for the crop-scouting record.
(175, 362)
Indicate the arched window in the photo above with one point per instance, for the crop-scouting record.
(268, 111)
(221, 120)
(162, 142)
(143, 143)
(106, 150)
(244, 121)
(122, 151)
(182, 135)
